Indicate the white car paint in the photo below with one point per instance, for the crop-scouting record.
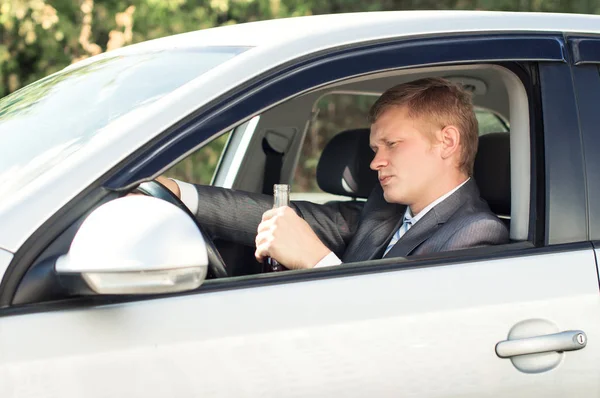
(242, 147)
(276, 42)
(5, 259)
(426, 332)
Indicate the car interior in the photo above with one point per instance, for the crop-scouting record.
(275, 138)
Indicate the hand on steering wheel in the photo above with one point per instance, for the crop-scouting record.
(216, 265)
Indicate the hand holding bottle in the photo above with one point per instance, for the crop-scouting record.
(287, 238)
(281, 198)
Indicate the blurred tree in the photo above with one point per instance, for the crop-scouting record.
(39, 37)
(199, 167)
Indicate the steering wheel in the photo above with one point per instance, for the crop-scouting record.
(216, 265)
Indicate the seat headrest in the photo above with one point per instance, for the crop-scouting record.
(343, 167)
(492, 171)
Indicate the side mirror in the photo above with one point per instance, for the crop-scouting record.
(137, 245)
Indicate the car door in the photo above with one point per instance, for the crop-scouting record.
(422, 328)
(585, 52)
(429, 331)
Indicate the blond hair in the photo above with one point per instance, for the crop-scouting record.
(441, 103)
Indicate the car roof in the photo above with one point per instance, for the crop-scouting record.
(340, 29)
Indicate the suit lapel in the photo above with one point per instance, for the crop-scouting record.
(375, 230)
(429, 224)
(416, 235)
(374, 234)
(383, 234)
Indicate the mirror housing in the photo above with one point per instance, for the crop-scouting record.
(137, 245)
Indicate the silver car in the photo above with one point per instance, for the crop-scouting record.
(107, 294)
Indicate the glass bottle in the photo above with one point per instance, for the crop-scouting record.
(281, 197)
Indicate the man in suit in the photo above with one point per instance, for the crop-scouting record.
(424, 136)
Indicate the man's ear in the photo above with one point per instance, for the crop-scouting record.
(450, 141)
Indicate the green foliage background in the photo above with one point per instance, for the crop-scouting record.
(39, 37)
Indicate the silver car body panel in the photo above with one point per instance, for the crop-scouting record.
(5, 259)
(277, 42)
(424, 332)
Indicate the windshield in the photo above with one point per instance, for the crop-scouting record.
(45, 122)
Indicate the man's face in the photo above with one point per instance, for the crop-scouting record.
(406, 158)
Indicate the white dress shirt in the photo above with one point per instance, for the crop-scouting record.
(189, 197)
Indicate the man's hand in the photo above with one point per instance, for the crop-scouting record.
(287, 238)
(170, 184)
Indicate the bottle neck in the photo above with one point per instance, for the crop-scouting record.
(281, 195)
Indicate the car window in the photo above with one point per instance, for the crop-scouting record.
(489, 122)
(47, 121)
(200, 166)
(334, 113)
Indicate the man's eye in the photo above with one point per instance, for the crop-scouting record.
(391, 144)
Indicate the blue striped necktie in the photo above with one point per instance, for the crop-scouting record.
(406, 224)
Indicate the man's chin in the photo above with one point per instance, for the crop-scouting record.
(390, 197)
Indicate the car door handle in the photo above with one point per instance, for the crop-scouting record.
(568, 340)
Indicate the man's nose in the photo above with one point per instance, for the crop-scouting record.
(378, 161)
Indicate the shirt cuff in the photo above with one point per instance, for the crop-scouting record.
(189, 195)
(328, 261)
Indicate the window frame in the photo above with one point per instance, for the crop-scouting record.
(585, 52)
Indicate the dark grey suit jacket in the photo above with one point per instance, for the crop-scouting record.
(358, 231)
